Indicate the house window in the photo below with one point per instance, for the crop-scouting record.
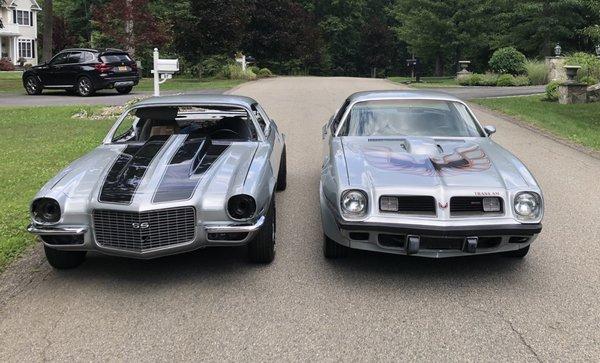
(26, 48)
(23, 17)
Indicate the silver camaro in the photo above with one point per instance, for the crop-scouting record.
(414, 173)
(174, 174)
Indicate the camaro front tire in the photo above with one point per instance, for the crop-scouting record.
(62, 260)
(262, 247)
(332, 249)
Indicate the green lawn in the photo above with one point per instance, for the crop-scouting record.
(427, 82)
(10, 83)
(36, 143)
(578, 123)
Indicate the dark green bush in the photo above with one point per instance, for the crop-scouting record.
(552, 90)
(508, 60)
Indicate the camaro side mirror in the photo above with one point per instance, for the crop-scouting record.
(490, 130)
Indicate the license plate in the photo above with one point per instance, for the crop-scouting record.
(123, 69)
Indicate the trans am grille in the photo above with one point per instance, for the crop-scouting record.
(146, 230)
(472, 205)
(408, 204)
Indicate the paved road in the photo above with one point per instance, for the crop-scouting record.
(212, 305)
(469, 93)
(61, 98)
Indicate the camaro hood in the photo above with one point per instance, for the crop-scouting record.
(432, 162)
(161, 170)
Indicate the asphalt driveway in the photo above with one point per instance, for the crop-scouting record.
(213, 305)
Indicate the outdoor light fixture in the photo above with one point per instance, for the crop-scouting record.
(557, 50)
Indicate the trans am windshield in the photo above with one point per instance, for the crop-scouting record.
(410, 118)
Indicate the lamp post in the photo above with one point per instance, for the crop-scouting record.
(557, 50)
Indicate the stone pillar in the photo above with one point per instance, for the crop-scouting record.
(556, 72)
(572, 93)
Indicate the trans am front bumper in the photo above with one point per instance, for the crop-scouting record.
(83, 238)
(435, 239)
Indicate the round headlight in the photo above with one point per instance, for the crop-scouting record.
(528, 206)
(354, 202)
(45, 210)
(241, 206)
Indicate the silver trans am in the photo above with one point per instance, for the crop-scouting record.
(415, 173)
(174, 174)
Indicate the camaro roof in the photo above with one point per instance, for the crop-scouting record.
(400, 94)
(217, 99)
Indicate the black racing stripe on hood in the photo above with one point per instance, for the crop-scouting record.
(186, 168)
(128, 170)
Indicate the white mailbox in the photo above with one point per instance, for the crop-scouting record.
(167, 66)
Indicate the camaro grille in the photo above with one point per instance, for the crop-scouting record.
(145, 230)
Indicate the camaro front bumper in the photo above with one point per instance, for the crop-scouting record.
(207, 235)
(448, 239)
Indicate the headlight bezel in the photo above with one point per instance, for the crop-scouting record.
(237, 215)
(351, 214)
(46, 211)
(534, 217)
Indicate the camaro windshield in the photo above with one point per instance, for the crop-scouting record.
(410, 118)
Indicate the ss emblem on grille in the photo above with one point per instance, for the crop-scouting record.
(143, 225)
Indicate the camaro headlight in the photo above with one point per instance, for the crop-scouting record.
(241, 206)
(528, 206)
(354, 202)
(45, 210)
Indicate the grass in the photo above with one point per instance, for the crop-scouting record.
(577, 123)
(428, 82)
(10, 83)
(37, 142)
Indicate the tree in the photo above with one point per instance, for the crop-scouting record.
(48, 30)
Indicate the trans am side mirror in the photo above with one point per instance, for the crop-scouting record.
(490, 130)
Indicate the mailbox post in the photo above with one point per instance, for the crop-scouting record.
(163, 70)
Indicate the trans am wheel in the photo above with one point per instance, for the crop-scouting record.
(33, 86)
(282, 175)
(332, 249)
(517, 253)
(62, 260)
(124, 90)
(262, 247)
(85, 87)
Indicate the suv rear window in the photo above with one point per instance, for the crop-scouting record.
(115, 58)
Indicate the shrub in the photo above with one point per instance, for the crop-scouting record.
(522, 81)
(6, 65)
(588, 80)
(234, 71)
(264, 73)
(255, 69)
(537, 71)
(590, 64)
(506, 80)
(508, 60)
(552, 90)
(489, 79)
(211, 66)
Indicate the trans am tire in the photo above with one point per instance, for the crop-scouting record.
(262, 247)
(62, 260)
(332, 249)
(282, 175)
(85, 87)
(124, 90)
(517, 253)
(33, 86)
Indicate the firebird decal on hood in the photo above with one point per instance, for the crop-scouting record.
(462, 159)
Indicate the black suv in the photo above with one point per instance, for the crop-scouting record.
(84, 71)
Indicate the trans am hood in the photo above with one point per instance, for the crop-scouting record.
(159, 171)
(432, 162)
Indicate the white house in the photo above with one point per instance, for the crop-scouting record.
(18, 30)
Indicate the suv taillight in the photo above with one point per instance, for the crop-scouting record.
(134, 66)
(103, 67)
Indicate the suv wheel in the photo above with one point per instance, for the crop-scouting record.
(85, 87)
(124, 90)
(33, 86)
(62, 260)
(332, 249)
(262, 248)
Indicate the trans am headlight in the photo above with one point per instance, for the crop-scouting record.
(241, 206)
(354, 203)
(45, 210)
(528, 206)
